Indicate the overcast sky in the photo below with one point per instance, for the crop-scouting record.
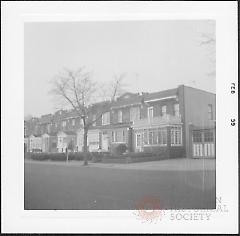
(156, 55)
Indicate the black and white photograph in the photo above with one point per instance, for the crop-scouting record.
(119, 111)
(121, 115)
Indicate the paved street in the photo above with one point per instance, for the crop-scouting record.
(175, 183)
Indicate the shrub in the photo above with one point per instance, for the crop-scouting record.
(57, 156)
(98, 156)
(141, 154)
(78, 156)
(36, 150)
(39, 156)
(120, 149)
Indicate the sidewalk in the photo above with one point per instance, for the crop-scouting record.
(163, 165)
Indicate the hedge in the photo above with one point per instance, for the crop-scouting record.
(39, 156)
(78, 156)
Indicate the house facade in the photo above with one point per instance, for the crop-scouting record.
(35, 143)
(66, 140)
(179, 122)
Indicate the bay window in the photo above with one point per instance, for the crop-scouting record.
(156, 136)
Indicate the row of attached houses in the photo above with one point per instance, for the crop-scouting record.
(179, 121)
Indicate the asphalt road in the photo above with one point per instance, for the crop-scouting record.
(48, 186)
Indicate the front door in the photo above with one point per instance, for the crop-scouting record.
(139, 147)
(105, 142)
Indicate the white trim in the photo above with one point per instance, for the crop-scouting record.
(176, 145)
(123, 106)
(119, 142)
(158, 99)
(156, 126)
(148, 113)
(70, 117)
(155, 145)
(139, 103)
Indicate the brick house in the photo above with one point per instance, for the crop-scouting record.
(66, 140)
(168, 121)
(35, 143)
(49, 142)
(179, 122)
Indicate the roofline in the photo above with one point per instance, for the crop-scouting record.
(200, 90)
(164, 98)
(139, 103)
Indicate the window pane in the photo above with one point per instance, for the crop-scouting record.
(208, 136)
(145, 137)
(197, 136)
(176, 135)
(150, 137)
(155, 134)
(176, 109)
(210, 112)
(164, 110)
(138, 140)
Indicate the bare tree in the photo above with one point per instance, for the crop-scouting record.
(77, 89)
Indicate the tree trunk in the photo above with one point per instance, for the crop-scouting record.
(67, 153)
(85, 148)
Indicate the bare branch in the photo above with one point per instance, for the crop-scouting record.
(80, 91)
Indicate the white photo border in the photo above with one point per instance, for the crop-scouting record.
(17, 220)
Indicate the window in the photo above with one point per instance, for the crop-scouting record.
(106, 118)
(145, 136)
(134, 113)
(48, 128)
(123, 135)
(210, 112)
(197, 136)
(73, 122)
(176, 136)
(119, 116)
(64, 123)
(150, 112)
(150, 137)
(138, 140)
(164, 110)
(94, 119)
(162, 136)
(81, 122)
(208, 136)
(155, 136)
(176, 109)
(117, 136)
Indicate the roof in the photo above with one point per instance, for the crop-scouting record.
(136, 98)
(114, 126)
(36, 135)
(67, 132)
(161, 94)
(46, 119)
(200, 90)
